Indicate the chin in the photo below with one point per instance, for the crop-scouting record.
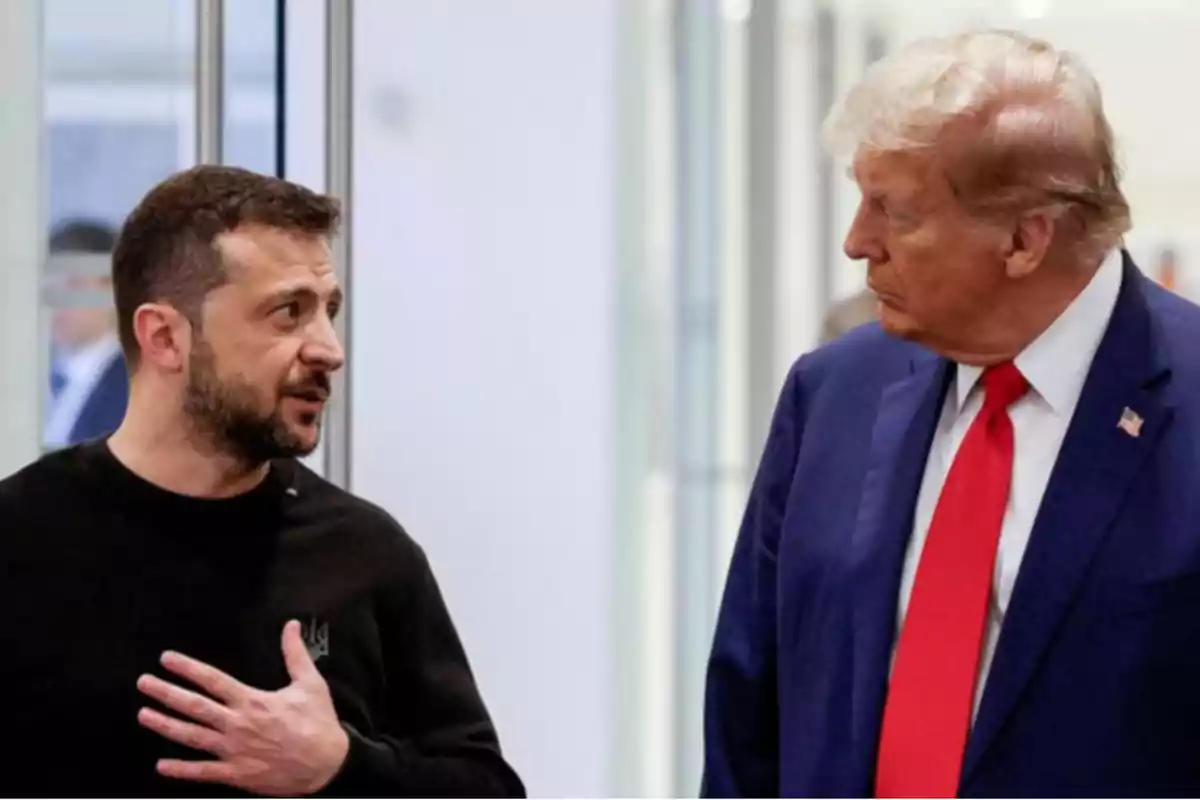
(305, 436)
(896, 323)
(301, 446)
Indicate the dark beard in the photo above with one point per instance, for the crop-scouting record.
(225, 414)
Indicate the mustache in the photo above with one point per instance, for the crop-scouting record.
(316, 387)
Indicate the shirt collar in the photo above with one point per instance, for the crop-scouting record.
(1057, 362)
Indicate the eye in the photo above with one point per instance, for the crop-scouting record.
(333, 308)
(899, 214)
(287, 314)
(904, 219)
(877, 203)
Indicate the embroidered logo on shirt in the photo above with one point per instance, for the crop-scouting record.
(316, 637)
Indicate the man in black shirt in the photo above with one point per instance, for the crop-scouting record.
(190, 610)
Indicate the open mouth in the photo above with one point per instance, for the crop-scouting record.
(309, 396)
(309, 402)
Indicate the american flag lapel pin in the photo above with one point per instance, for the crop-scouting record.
(1131, 422)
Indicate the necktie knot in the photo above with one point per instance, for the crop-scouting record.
(1003, 385)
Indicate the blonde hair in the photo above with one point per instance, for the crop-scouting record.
(1016, 125)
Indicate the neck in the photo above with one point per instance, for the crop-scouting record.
(1023, 312)
(157, 446)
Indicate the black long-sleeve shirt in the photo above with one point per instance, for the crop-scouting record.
(101, 571)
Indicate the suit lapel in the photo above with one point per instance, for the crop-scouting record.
(904, 427)
(1096, 465)
(105, 405)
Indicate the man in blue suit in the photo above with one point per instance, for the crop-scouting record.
(89, 384)
(970, 562)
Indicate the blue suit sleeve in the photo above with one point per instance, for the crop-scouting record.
(741, 718)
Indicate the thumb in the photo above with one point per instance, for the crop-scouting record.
(299, 663)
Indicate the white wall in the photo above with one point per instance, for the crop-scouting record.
(482, 337)
(21, 226)
(798, 309)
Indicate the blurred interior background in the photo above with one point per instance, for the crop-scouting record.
(586, 240)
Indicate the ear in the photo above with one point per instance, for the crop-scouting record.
(164, 336)
(1029, 244)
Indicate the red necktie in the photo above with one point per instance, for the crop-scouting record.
(931, 696)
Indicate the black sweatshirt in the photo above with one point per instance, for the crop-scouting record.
(101, 571)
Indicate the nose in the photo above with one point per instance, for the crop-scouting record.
(323, 348)
(862, 241)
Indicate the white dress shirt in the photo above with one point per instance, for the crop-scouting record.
(81, 371)
(1056, 365)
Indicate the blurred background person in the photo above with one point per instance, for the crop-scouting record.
(1168, 269)
(89, 384)
(854, 311)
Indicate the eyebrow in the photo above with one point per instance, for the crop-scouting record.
(285, 294)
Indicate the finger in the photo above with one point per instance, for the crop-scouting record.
(183, 701)
(212, 680)
(300, 665)
(187, 734)
(199, 771)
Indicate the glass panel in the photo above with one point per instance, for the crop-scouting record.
(21, 226)
(118, 97)
(119, 117)
(252, 131)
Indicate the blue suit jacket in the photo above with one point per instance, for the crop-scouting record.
(1095, 686)
(105, 406)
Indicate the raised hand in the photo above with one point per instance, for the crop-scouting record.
(284, 743)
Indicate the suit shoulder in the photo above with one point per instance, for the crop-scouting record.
(1177, 328)
(863, 355)
(839, 383)
(1177, 316)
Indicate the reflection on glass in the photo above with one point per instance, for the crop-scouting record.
(118, 100)
(118, 97)
(252, 120)
(120, 116)
(88, 381)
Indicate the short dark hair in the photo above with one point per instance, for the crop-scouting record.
(82, 236)
(165, 251)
